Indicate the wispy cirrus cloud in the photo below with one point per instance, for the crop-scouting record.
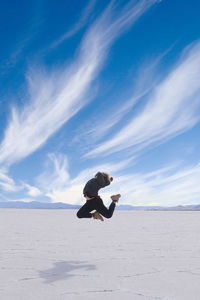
(23, 39)
(32, 191)
(56, 173)
(10, 186)
(102, 124)
(171, 109)
(79, 25)
(7, 183)
(168, 186)
(57, 183)
(143, 84)
(54, 98)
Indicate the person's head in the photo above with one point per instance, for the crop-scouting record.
(107, 176)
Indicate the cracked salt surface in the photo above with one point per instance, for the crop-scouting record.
(50, 254)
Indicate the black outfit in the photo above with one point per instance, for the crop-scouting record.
(95, 184)
(91, 190)
(95, 204)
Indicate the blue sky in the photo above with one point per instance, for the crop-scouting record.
(91, 86)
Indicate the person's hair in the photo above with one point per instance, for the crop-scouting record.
(107, 175)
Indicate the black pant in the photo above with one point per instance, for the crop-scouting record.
(95, 204)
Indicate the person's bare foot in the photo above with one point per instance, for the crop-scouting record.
(115, 198)
(97, 216)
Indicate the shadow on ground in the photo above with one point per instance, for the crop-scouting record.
(64, 270)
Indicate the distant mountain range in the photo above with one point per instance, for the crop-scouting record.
(37, 205)
(60, 205)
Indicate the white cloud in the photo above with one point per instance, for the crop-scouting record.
(168, 186)
(7, 183)
(32, 190)
(57, 184)
(164, 187)
(56, 97)
(53, 101)
(171, 109)
(112, 168)
(56, 174)
(72, 195)
(79, 25)
(99, 125)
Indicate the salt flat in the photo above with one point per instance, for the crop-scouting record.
(51, 254)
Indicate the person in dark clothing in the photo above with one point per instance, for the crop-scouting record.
(93, 200)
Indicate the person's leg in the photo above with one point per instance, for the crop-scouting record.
(102, 209)
(84, 211)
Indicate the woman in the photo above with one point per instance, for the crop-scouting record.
(93, 200)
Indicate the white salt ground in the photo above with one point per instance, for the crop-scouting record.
(52, 255)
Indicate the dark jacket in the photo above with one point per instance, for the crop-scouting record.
(95, 184)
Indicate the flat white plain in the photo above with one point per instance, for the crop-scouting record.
(139, 255)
